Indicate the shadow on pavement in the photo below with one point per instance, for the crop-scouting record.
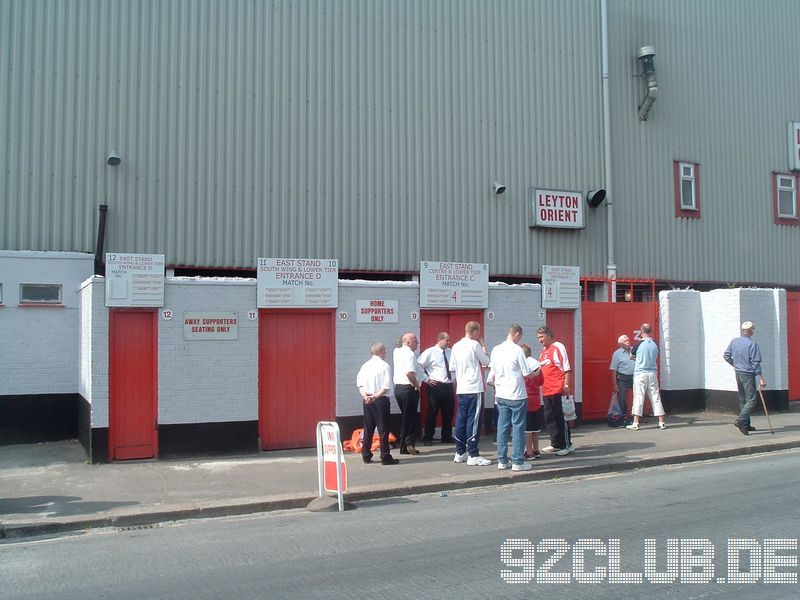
(55, 506)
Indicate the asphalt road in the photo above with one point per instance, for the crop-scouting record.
(433, 546)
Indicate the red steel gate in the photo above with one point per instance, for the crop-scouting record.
(793, 350)
(603, 323)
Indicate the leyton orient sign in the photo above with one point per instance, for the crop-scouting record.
(557, 208)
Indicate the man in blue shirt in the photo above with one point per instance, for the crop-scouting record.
(621, 368)
(645, 378)
(744, 355)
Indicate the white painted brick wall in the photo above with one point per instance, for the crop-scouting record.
(40, 344)
(207, 381)
(521, 304)
(85, 342)
(767, 309)
(99, 354)
(213, 381)
(577, 360)
(720, 324)
(353, 340)
(681, 341)
(689, 342)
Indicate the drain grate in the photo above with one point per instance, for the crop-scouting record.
(139, 527)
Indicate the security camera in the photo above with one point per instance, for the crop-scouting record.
(113, 160)
(498, 187)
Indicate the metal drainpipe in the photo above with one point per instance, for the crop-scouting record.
(611, 266)
(99, 268)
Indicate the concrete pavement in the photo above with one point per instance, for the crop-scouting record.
(50, 488)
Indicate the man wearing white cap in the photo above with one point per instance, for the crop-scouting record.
(744, 355)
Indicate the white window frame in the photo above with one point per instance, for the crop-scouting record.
(24, 300)
(792, 188)
(691, 178)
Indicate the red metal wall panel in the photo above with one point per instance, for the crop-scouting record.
(296, 376)
(793, 350)
(133, 384)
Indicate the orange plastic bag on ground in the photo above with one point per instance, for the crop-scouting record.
(356, 441)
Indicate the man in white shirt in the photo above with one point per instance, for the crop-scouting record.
(508, 371)
(408, 376)
(467, 359)
(374, 382)
(435, 361)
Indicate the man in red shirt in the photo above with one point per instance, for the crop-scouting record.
(557, 382)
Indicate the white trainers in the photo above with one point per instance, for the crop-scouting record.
(564, 451)
(634, 426)
(522, 467)
(461, 457)
(502, 466)
(549, 449)
(662, 425)
(478, 461)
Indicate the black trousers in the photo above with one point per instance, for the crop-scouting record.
(440, 399)
(408, 401)
(554, 421)
(625, 384)
(376, 414)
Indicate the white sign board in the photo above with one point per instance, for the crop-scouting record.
(211, 325)
(297, 283)
(794, 146)
(557, 208)
(453, 285)
(134, 279)
(377, 311)
(561, 287)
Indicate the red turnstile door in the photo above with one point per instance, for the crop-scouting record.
(133, 384)
(296, 376)
(431, 322)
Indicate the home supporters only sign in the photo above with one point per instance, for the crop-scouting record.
(557, 208)
(298, 282)
(453, 285)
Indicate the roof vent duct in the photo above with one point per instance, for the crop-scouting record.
(645, 56)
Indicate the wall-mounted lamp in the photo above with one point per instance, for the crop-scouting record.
(628, 296)
(595, 198)
(645, 56)
(113, 160)
(498, 187)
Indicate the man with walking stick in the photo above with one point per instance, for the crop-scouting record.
(745, 357)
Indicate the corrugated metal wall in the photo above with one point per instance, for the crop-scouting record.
(728, 85)
(371, 130)
(365, 130)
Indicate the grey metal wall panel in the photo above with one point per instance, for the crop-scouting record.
(367, 130)
(726, 92)
(370, 130)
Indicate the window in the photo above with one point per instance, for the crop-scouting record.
(40, 293)
(784, 199)
(687, 189)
